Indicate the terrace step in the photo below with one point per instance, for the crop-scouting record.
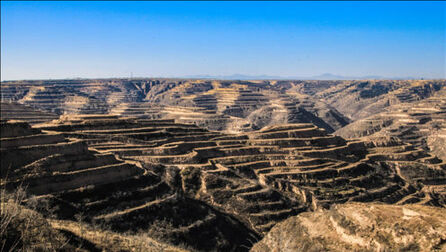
(102, 191)
(278, 215)
(30, 140)
(127, 200)
(262, 194)
(71, 180)
(135, 210)
(266, 205)
(250, 188)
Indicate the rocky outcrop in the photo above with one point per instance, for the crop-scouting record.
(360, 227)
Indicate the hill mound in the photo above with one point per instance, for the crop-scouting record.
(360, 227)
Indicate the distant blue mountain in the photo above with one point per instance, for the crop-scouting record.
(325, 76)
(236, 77)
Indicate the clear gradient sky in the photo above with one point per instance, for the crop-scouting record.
(41, 40)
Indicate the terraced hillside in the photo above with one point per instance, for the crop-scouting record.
(421, 123)
(360, 99)
(296, 159)
(233, 106)
(48, 162)
(16, 111)
(217, 105)
(238, 186)
(77, 181)
(215, 165)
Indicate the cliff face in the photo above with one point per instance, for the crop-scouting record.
(360, 227)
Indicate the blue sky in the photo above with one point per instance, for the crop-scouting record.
(41, 40)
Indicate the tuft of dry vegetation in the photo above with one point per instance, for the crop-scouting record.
(106, 240)
(23, 229)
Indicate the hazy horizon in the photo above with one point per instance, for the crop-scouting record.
(68, 40)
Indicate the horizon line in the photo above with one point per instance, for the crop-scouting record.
(224, 79)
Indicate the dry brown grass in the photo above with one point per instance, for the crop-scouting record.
(23, 229)
(111, 241)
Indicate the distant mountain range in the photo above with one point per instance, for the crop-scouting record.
(325, 76)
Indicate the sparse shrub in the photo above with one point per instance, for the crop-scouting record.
(159, 228)
(23, 229)
(191, 180)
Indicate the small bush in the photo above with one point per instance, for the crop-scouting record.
(23, 229)
(191, 180)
